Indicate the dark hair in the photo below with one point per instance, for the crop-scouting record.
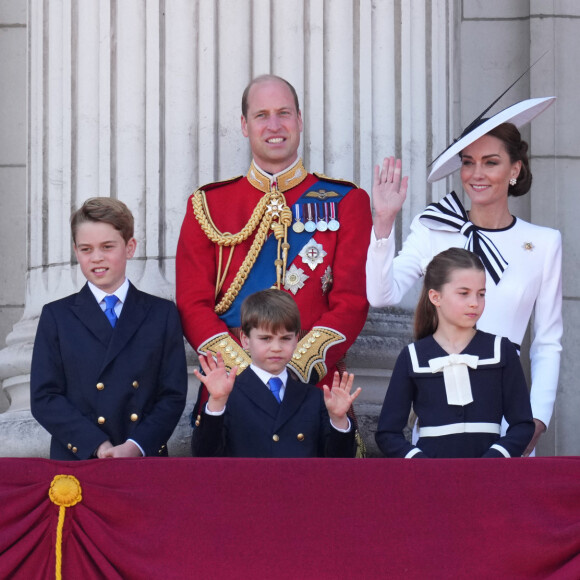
(265, 78)
(517, 150)
(272, 309)
(106, 210)
(437, 274)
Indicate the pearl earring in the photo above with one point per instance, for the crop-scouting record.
(513, 181)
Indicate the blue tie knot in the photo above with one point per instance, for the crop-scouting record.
(275, 384)
(110, 313)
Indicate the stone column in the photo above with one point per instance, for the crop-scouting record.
(554, 203)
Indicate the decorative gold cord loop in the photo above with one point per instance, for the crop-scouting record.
(272, 206)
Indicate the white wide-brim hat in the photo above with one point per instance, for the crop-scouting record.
(518, 114)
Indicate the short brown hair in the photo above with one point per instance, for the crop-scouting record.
(106, 210)
(261, 79)
(272, 309)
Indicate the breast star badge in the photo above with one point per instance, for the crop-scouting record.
(295, 278)
(327, 280)
(312, 254)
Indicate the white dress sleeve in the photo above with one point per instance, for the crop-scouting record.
(546, 344)
(390, 277)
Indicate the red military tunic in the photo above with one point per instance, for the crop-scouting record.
(331, 300)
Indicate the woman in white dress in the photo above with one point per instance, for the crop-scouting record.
(522, 260)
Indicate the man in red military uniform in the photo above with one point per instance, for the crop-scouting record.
(277, 226)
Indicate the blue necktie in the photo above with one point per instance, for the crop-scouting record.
(110, 302)
(275, 385)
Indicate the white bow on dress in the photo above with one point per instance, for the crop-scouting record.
(456, 376)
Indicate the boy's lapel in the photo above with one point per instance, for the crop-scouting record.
(257, 392)
(89, 313)
(294, 396)
(135, 310)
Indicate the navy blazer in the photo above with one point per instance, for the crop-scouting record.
(254, 424)
(90, 382)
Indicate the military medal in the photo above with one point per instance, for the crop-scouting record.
(321, 224)
(333, 224)
(309, 226)
(312, 254)
(295, 278)
(297, 226)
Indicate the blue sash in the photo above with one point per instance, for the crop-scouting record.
(263, 273)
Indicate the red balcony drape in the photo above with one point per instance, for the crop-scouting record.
(328, 518)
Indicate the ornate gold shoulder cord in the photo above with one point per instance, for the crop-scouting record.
(271, 212)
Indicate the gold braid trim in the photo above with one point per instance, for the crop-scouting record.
(272, 205)
(231, 351)
(311, 350)
(202, 215)
(228, 298)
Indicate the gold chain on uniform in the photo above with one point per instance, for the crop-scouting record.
(272, 206)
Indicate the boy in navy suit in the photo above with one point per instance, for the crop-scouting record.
(108, 377)
(264, 412)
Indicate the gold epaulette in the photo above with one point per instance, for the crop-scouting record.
(311, 350)
(335, 180)
(232, 353)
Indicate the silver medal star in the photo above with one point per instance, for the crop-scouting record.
(295, 278)
(312, 254)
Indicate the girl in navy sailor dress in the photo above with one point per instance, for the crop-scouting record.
(458, 380)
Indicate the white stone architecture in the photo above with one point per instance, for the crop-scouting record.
(140, 100)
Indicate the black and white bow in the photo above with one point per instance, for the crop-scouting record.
(450, 215)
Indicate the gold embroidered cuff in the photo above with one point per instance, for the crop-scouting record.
(311, 351)
(231, 351)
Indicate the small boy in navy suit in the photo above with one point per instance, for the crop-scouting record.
(108, 377)
(264, 412)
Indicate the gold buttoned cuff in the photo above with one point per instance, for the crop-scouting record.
(311, 352)
(231, 351)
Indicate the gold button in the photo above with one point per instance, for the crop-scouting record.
(100, 386)
(69, 446)
(300, 437)
(223, 343)
(100, 420)
(276, 438)
(74, 449)
(134, 417)
(135, 384)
